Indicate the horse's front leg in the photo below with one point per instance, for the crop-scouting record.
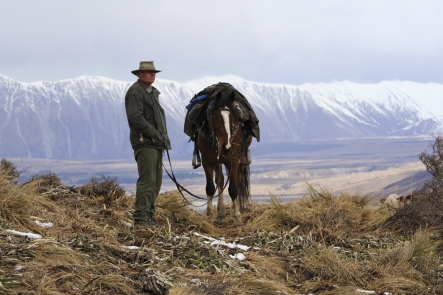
(233, 193)
(221, 210)
(210, 188)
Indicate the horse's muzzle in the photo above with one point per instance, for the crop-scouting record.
(226, 149)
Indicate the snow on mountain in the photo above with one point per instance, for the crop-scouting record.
(345, 109)
(84, 118)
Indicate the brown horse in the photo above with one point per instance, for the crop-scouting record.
(223, 141)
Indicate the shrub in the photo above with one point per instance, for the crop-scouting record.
(434, 161)
(426, 207)
(11, 169)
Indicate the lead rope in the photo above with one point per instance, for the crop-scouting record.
(180, 187)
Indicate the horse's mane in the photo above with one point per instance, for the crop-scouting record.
(222, 99)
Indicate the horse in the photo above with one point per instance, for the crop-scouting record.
(222, 141)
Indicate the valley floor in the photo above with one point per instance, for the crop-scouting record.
(377, 167)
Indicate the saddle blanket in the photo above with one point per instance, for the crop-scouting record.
(195, 100)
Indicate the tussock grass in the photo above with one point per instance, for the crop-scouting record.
(103, 190)
(171, 206)
(109, 284)
(403, 268)
(324, 243)
(17, 204)
(184, 291)
(319, 213)
(43, 181)
(251, 284)
(330, 216)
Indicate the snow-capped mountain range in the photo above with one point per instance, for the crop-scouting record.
(84, 118)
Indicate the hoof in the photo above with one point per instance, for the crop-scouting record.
(238, 222)
(219, 219)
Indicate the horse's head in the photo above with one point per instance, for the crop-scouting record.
(223, 120)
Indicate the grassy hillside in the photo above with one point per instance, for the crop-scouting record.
(325, 243)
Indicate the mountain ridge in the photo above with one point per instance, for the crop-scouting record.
(84, 117)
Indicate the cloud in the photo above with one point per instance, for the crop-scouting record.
(267, 41)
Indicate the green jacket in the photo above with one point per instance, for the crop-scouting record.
(145, 114)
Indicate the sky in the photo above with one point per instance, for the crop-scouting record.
(277, 41)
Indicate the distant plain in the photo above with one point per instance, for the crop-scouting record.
(374, 166)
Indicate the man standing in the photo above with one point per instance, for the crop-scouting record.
(149, 137)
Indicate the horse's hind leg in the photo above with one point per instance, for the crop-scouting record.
(221, 210)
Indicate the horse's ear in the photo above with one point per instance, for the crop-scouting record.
(219, 95)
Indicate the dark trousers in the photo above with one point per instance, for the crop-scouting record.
(149, 165)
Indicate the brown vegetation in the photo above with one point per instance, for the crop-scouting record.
(425, 208)
(325, 243)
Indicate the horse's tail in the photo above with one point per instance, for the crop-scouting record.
(244, 196)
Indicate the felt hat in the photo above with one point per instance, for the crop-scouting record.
(145, 66)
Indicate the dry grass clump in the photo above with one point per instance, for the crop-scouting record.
(321, 214)
(173, 208)
(104, 188)
(102, 185)
(332, 217)
(17, 204)
(403, 268)
(110, 284)
(251, 284)
(410, 261)
(324, 243)
(44, 181)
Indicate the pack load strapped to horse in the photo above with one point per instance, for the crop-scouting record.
(196, 116)
(222, 123)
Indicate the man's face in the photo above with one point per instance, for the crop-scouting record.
(147, 76)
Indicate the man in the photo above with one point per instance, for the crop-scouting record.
(149, 137)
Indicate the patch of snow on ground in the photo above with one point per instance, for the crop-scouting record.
(213, 242)
(29, 235)
(239, 256)
(44, 224)
(131, 247)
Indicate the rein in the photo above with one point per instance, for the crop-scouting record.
(180, 187)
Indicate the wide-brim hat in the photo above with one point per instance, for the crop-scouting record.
(146, 66)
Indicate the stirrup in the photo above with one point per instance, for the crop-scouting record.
(196, 161)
